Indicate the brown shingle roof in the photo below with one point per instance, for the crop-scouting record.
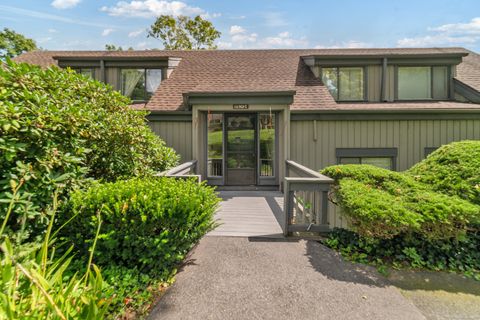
(264, 70)
(469, 70)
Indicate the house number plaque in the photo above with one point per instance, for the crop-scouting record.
(240, 106)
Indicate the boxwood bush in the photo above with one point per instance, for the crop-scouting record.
(58, 128)
(147, 223)
(382, 203)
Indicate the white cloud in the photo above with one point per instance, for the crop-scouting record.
(225, 45)
(107, 31)
(351, 44)
(142, 46)
(136, 33)
(64, 4)
(285, 40)
(435, 40)
(472, 27)
(241, 39)
(52, 30)
(152, 8)
(446, 35)
(237, 30)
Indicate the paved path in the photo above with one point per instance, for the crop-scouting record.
(250, 213)
(246, 278)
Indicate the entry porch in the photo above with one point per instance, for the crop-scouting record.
(300, 208)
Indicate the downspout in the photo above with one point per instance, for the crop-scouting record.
(383, 91)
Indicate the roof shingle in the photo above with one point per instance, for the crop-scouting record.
(265, 70)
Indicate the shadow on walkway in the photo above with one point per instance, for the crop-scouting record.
(333, 266)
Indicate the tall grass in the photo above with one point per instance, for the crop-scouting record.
(35, 282)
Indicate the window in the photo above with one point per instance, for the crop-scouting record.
(380, 157)
(414, 83)
(428, 150)
(87, 72)
(215, 145)
(140, 84)
(344, 83)
(267, 144)
(422, 83)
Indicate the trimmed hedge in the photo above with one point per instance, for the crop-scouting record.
(382, 203)
(148, 224)
(453, 169)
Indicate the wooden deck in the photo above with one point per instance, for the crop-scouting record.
(250, 214)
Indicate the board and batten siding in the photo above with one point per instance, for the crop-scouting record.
(411, 137)
(176, 134)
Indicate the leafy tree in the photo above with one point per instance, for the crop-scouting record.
(12, 44)
(112, 47)
(184, 33)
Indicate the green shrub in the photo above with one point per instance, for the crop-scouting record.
(411, 251)
(382, 203)
(148, 223)
(453, 169)
(57, 128)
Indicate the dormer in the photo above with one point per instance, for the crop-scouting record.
(135, 74)
(379, 75)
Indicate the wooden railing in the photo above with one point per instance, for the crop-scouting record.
(184, 171)
(306, 200)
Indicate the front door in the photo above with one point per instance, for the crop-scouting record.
(241, 144)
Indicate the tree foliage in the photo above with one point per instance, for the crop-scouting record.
(12, 44)
(184, 33)
(112, 47)
(59, 128)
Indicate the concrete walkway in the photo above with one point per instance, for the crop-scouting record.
(250, 214)
(252, 278)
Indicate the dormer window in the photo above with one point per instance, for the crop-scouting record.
(87, 72)
(344, 83)
(414, 83)
(422, 83)
(140, 84)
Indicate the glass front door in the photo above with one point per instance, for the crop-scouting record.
(241, 149)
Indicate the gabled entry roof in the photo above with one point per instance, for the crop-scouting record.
(223, 72)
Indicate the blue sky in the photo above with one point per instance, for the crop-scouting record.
(88, 24)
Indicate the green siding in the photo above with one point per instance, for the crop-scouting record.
(374, 83)
(176, 134)
(409, 136)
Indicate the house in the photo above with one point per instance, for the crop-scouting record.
(242, 113)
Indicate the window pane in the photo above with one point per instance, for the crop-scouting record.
(329, 78)
(86, 72)
(133, 83)
(383, 162)
(349, 161)
(215, 145)
(154, 77)
(414, 83)
(267, 144)
(351, 84)
(440, 83)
